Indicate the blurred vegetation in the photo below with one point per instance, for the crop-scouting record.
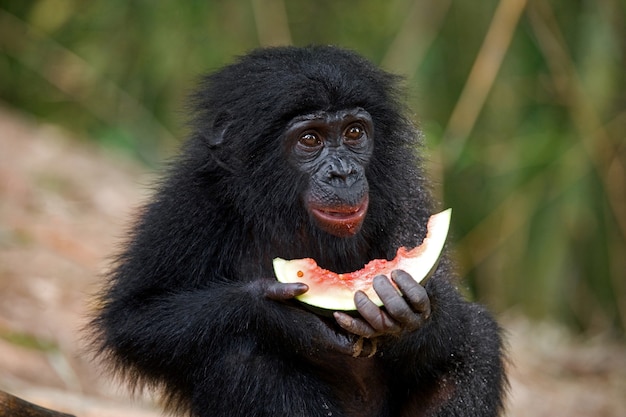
(523, 103)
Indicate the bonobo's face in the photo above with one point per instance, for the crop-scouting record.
(333, 149)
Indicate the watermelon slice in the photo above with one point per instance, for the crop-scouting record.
(331, 291)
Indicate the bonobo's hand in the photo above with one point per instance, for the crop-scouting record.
(320, 333)
(403, 313)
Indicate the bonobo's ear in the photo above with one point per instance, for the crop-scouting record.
(217, 133)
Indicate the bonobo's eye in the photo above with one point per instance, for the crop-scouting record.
(354, 132)
(310, 140)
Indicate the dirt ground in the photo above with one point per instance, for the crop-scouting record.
(63, 206)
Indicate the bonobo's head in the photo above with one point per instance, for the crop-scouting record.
(308, 140)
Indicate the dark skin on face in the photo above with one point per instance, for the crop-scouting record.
(334, 149)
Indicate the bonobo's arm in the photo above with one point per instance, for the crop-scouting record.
(174, 334)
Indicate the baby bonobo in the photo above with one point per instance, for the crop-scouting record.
(295, 153)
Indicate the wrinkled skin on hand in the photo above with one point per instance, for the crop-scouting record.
(403, 312)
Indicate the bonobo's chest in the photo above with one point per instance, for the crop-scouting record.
(358, 384)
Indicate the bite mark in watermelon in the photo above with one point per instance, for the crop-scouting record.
(332, 291)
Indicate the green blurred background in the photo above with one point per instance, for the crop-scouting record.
(523, 103)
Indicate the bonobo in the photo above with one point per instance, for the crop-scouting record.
(294, 153)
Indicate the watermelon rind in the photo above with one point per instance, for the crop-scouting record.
(420, 263)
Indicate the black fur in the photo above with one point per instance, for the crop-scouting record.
(184, 313)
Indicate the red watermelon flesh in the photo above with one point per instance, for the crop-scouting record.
(333, 291)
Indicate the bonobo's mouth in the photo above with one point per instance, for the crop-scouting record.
(341, 221)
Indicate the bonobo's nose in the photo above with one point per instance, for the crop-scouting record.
(341, 172)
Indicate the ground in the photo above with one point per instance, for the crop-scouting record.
(64, 205)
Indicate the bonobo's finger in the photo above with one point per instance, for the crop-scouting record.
(354, 325)
(333, 340)
(395, 304)
(374, 316)
(413, 291)
(279, 291)
(359, 343)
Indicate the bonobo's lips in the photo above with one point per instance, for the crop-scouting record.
(341, 221)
